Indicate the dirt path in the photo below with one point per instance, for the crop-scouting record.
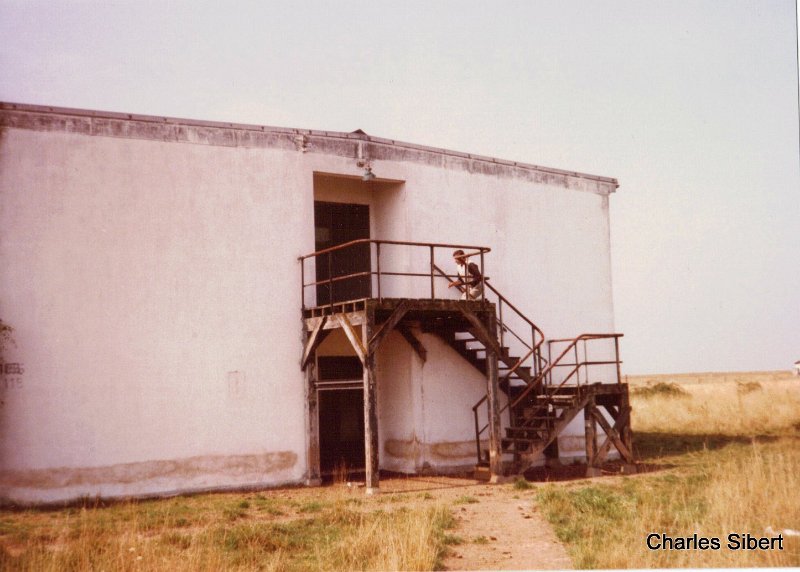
(499, 528)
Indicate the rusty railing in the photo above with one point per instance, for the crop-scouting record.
(380, 273)
(543, 381)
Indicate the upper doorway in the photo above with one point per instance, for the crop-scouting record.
(335, 224)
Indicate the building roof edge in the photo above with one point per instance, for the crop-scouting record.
(357, 135)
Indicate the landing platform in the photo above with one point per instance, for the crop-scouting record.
(424, 310)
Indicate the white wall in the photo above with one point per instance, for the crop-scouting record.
(154, 292)
(550, 252)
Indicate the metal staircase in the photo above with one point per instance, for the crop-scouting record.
(542, 394)
(538, 409)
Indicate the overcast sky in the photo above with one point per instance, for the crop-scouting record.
(691, 105)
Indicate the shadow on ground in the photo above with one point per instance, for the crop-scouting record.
(656, 445)
(650, 450)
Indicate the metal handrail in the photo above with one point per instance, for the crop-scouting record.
(538, 381)
(431, 246)
(555, 363)
(503, 326)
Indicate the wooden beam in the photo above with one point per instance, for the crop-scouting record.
(314, 340)
(371, 445)
(409, 336)
(313, 474)
(355, 319)
(625, 429)
(612, 436)
(495, 427)
(481, 333)
(361, 352)
(388, 325)
(590, 431)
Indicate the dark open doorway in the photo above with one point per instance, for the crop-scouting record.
(341, 416)
(335, 224)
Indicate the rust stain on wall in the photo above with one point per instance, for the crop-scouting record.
(408, 449)
(430, 452)
(126, 473)
(452, 450)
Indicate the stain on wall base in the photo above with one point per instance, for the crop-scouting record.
(148, 478)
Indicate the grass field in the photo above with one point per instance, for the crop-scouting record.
(720, 453)
(723, 456)
(277, 530)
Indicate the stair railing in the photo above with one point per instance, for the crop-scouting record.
(534, 348)
(572, 345)
(324, 259)
(551, 391)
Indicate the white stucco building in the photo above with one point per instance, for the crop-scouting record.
(151, 275)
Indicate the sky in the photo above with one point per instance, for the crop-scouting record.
(691, 105)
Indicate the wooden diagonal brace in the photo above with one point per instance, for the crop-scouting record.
(314, 340)
(413, 342)
(351, 335)
(612, 436)
(481, 333)
(388, 325)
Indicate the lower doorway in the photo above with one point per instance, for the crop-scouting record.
(341, 418)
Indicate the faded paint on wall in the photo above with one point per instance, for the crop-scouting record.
(150, 272)
(32, 485)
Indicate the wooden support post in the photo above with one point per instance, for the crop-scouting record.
(590, 427)
(372, 466)
(625, 429)
(495, 449)
(612, 435)
(313, 475)
(552, 455)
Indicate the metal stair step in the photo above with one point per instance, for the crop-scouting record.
(526, 370)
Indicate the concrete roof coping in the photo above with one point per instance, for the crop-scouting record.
(357, 136)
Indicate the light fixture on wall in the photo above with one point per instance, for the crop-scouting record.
(368, 174)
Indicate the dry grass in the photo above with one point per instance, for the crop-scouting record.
(270, 531)
(741, 405)
(723, 449)
(727, 461)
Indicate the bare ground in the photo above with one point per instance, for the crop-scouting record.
(499, 528)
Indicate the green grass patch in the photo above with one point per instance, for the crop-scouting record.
(522, 485)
